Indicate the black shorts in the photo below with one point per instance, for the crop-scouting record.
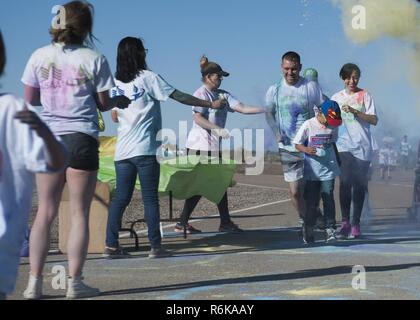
(83, 151)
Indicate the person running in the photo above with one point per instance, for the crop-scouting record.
(204, 137)
(290, 103)
(71, 81)
(316, 138)
(354, 145)
(137, 144)
(27, 146)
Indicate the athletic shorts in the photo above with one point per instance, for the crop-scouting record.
(292, 163)
(83, 151)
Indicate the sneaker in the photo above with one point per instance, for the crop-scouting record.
(330, 235)
(76, 289)
(230, 227)
(355, 232)
(115, 253)
(156, 253)
(344, 231)
(34, 289)
(308, 235)
(190, 229)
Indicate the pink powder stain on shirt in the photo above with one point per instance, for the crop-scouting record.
(60, 88)
(360, 97)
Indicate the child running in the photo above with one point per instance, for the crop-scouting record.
(316, 138)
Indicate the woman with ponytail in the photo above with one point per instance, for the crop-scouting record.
(204, 137)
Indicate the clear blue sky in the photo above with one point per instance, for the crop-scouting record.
(246, 37)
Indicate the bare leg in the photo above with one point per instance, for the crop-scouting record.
(49, 188)
(82, 186)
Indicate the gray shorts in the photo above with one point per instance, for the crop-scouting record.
(292, 163)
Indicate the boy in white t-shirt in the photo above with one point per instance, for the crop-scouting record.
(316, 138)
(26, 146)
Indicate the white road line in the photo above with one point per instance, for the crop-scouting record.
(262, 187)
(216, 215)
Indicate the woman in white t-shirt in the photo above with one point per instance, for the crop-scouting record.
(26, 146)
(70, 81)
(354, 146)
(137, 144)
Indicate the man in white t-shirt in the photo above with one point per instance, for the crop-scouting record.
(290, 103)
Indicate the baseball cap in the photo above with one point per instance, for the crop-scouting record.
(332, 113)
(209, 67)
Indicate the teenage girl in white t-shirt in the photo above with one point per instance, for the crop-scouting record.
(70, 81)
(137, 143)
(355, 147)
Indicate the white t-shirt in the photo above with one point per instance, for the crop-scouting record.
(68, 78)
(292, 106)
(354, 135)
(142, 120)
(313, 134)
(202, 139)
(21, 154)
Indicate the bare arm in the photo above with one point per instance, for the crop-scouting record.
(190, 100)
(56, 153)
(307, 150)
(204, 123)
(32, 95)
(207, 125)
(114, 116)
(244, 109)
(369, 118)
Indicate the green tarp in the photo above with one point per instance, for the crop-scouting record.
(185, 177)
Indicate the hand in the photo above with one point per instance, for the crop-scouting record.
(222, 133)
(219, 104)
(348, 109)
(311, 151)
(35, 123)
(122, 102)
